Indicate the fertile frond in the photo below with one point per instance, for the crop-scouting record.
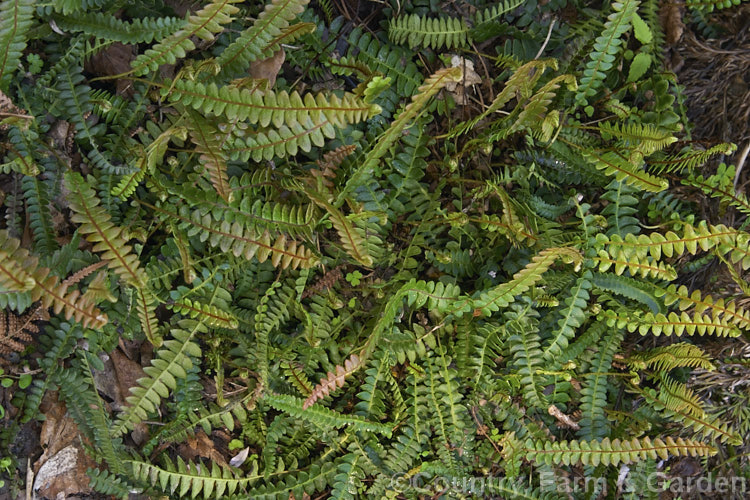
(20, 271)
(333, 381)
(430, 87)
(209, 144)
(688, 160)
(644, 137)
(627, 169)
(97, 225)
(204, 24)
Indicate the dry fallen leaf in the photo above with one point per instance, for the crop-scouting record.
(201, 445)
(470, 78)
(671, 21)
(268, 69)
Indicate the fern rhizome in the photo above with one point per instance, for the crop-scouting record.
(368, 288)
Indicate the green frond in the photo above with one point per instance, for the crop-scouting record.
(644, 137)
(280, 142)
(679, 404)
(640, 291)
(685, 300)
(606, 47)
(502, 295)
(190, 478)
(15, 22)
(627, 169)
(209, 144)
(671, 324)
(572, 317)
(435, 33)
(266, 107)
(262, 39)
(613, 452)
(108, 27)
(241, 241)
(169, 363)
(721, 186)
(207, 313)
(204, 24)
(688, 160)
(418, 102)
(324, 417)
(669, 357)
(594, 424)
(711, 5)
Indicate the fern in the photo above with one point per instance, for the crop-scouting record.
(436, 33)
(613, 452)
(20, 271)
(606, 47)
(264, 108)
(261, 39)
(15, 22)
(204, 24)
(107, 27)
(169, 363)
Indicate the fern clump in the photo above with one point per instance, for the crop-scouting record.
(364, 255)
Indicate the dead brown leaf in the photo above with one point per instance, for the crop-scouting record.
(200, 445)
(114, 60)
(671, 20)
(268, 69)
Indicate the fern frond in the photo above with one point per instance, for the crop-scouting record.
(243, 241)
(671, 324)
(721, 186)
(264, 108)
(108, 239)
(418, 102)
(643, 292)
(281, 142)
(502, 295)
(434, 33)
(680, 405)
(204, 24)
(572, 317)
(685, 300)
(209, 314)
(669, 357)
(209, 144)
(643, 266)
(606, 47)
(593, 423)
(324, 417)
(169, 363)
(15, 22)
(20, 271)
(190, 478)
(613, 452)
(333, 381)
(628, 170)
(688, 160)
(260, 40)
(645, 137)
(108, 27)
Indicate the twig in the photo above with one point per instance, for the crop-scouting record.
(740, 164)
(546, 40)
